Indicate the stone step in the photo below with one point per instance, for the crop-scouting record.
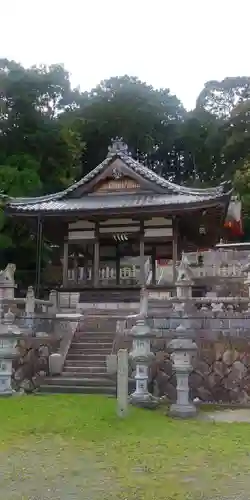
(65, 389)
(86, 357)
(91, 345)
(108, 329)
(95, 363)
(85, 336)
(85, 369)
(109, 295)
(76, 381)
(87, 351)
(96, 340)
(85, 374)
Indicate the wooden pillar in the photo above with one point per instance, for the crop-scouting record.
(153, 259)
(39, 247)
(85, 265)
(142, 255)
(117, 265)
(65, 263)
(96, 257)
(76, 272)
(175, 247)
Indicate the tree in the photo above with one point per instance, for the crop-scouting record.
(31, 102)
(39, 152)
(221, 97)
(237, 134)
(124, 106)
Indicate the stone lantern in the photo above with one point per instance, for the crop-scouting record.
(142, 356)
(9, 334)
(182, 346)
(182, 350)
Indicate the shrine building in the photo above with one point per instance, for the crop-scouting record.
(116, 224)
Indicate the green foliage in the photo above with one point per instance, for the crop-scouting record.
(39, 153)
(126, 107)
(221, 97)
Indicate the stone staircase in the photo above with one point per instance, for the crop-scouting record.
(85, 366)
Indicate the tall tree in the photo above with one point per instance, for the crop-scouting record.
(126, 107)
(221, 97)
(39, 153)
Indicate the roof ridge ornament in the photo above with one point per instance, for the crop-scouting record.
(118, 146)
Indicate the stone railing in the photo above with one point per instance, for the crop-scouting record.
(107, 275)
(218, 263)
(129, 274)
(29, 310)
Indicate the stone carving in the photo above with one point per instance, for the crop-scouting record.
(116, 173)
(10, 272)
(118, 145)
(7, 274)
(184, 272)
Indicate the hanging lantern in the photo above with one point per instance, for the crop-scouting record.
(233, 221)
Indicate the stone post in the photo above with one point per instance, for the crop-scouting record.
(142, 356)
(122, 383)
(8, 341)
(53, 297)
(182, 346)
(30, 307)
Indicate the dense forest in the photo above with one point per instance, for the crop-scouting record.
(51, 134)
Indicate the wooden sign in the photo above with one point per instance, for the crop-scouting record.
(114, 185)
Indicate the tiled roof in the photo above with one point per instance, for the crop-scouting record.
(174, 194)
(98, 203)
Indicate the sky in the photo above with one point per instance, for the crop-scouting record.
(175, 44)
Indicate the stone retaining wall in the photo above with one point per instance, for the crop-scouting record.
(32, 362)
(221, 369)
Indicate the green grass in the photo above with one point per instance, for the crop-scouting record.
(145, 456)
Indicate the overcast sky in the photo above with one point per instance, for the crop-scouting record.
(179, 44)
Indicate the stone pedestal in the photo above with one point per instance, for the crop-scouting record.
(142, 356)
(8, 339)
(182, 348)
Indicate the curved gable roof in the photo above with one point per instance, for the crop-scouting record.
(120, 150)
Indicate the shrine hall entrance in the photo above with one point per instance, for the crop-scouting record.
(123, 262)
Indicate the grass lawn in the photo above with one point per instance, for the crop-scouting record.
(74, 447)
